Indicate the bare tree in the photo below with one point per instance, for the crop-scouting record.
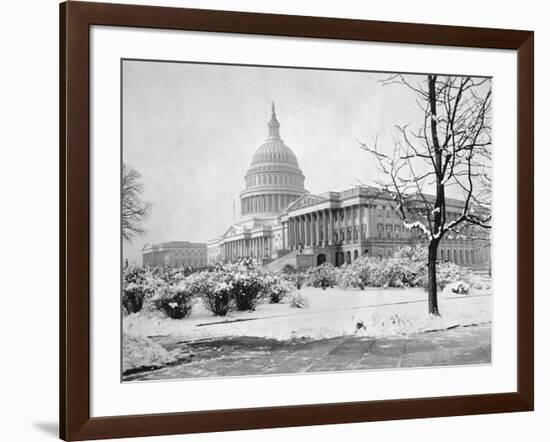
(134, 210)
(449, 152)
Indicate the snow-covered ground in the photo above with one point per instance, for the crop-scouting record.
(331, 313)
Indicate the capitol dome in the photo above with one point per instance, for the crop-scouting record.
(274, 178)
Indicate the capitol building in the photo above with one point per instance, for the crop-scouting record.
(282, 223)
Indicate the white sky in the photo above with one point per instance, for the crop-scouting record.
(190, 130)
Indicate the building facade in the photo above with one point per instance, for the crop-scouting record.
(175, 254)
(281, 223)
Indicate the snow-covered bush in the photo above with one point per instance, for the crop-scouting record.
(176, 301)
(297, 279)
(446, 272)
(403, 270)
(297, 300)
(275, 288)
(246, 288)
(135, 288)
(359, 274)
(215, 292)
(322, 276)
(233, 284)
(288, 269)
(140, 352)
(416, 253)
(397, 272)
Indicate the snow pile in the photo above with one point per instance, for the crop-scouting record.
(141, 352)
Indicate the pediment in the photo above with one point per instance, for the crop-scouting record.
(233, 230)
(305, 201)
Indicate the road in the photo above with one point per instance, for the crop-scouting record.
(246, 356)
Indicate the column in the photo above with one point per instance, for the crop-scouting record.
(298, 231)
(284, 236)
(295, 237)
(361, 211)
(292, 233)
(301, 236)
(306, 230)
(289, 233)
(331, 227)
(311, 230)
(353, 211)
(318, 228)
(346, 224)
(325, 228)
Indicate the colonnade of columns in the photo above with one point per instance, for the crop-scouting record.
(326, 227)
(266, 203)
(259, 247)
(464, 256)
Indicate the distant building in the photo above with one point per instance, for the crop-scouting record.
(175, 254)
(282, 223)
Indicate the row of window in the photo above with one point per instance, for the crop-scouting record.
(190, 252)
(389, 213)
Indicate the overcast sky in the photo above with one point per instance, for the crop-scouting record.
(190, 130)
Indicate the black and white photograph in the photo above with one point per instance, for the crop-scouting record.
(282, 220)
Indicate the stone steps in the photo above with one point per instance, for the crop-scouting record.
(277, 264)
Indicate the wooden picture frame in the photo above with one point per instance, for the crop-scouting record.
(76, 18)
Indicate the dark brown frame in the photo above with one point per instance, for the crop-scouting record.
(75, 21)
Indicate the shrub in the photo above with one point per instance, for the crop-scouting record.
(354, 275)
(288, 269)
(218, 298)
(297, 300)
(246, 288)
(397, 272)
(134, 289)
(446, 272)
(406, 268)
(176, 301)
(276, 288)
(322, 276)
(417, 253)
(296, 279)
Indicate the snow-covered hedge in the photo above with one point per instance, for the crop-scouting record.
(406, 268)
(237, 285)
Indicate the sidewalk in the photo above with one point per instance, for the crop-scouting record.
(246, 356)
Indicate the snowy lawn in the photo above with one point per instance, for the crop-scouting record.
(330, 313)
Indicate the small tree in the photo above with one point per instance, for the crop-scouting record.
(449, 151)
(134, 210)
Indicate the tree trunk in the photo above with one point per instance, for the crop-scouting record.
(432, 278)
